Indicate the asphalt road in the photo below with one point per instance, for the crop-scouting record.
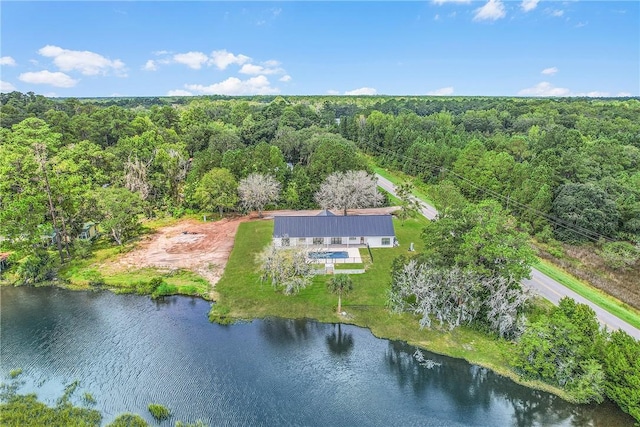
(540, 283)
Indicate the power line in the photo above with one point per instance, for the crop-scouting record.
(585, 232)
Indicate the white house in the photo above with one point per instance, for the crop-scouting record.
(328, 229)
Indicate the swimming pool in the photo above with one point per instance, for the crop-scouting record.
(329, 255)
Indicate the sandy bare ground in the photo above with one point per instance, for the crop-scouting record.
(201, 247)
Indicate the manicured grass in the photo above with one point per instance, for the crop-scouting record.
(607, 302)
(241, 295)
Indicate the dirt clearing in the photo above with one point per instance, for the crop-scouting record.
(201, 247)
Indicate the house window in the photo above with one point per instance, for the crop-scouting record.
(302, 240)
(386, 241)
(353, 239)
(285, 241)
(336, 240)
(318, 240)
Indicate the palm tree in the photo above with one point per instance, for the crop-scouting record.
(338, 284)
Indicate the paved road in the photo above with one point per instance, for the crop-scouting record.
(539, 282)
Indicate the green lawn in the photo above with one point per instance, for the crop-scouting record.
(240, 295)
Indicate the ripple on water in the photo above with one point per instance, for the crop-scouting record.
(129, 351)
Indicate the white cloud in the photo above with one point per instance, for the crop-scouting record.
(493, 10)
(592, 94)
(624, 94)
(271, 63)
(222, 59)
(45, 77)
(258, 85)
(557, 13)
(179, 92)
(150, 65)
(7, 60)
(443, 91)
(191, 59)
(161, 52)
(88, 63)
(544, 89)
(285, 78)
(529, 5)
(6, 87)
(333, 92)
(549, 71)
(451, 1)
(253, 69)
(362, 91)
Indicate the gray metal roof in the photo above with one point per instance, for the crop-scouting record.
(333, 226)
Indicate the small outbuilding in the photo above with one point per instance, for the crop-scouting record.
(327, 229)
(89, 231)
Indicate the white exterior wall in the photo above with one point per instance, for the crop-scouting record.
(376, 242)
(373, 241)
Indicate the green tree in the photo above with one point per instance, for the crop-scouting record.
(621, 364)
(481, 237)
(340, 284)
(119, 209)
(217, 189)
(586, 212)
(563, 349)
(409, 205)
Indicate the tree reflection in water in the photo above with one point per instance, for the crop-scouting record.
(339, 343)
(472, 386)
(288, 331)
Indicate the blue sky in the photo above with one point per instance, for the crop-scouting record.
(437, 47)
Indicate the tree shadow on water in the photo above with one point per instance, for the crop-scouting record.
(339, 343)
(287, 331)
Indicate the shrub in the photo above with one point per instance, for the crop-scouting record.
(619, 255)
(163, 290)
(88, 398)
(38, 267)
(82, 248)
(128, 420)
(159, 412)
(15, 372)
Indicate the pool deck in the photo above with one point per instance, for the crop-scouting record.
(354, 256)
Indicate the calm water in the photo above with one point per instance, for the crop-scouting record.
(129, 351)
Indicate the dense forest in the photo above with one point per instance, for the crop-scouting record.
(566, 171)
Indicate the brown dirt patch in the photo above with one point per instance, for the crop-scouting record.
(203, 248)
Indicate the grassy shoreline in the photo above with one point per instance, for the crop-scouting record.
(241, 296)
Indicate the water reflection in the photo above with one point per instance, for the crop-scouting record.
(129, 351)
(287, 331)
(339, 343)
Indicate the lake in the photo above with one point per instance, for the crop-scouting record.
(129, 351)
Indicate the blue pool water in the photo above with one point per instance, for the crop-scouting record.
(328, 255)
